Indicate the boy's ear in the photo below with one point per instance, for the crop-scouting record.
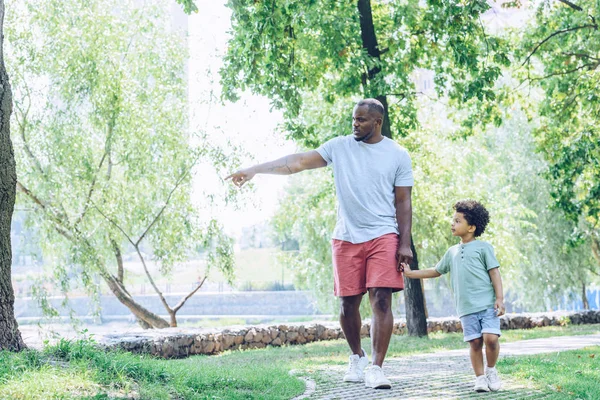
(472, 228)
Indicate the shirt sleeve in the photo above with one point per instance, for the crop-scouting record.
(326, 150)
(443, 267)
(489, 258)
(404, 174)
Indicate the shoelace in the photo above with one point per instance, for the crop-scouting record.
(353, 363)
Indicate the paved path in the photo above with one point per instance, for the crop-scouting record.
(444, 375)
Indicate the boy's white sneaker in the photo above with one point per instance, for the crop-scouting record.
(356, 367)
(494, 382)
(481, 384)
(375, 379)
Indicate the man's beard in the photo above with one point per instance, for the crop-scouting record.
(366, 137)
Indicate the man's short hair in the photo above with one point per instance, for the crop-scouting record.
(374, 105)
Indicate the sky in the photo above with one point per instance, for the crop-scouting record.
(248, 123)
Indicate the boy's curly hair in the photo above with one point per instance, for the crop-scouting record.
(475, 214)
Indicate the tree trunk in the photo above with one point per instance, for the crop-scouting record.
(416, 319)
(596, 249)
(146, 318)
(416, 322)
(10, 337)
(586, 304)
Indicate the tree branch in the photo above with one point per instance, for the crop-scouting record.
(160, 295)
(119, 258)
(596, 249)
(580, 55)
(182, 302)
(60, 221)
(107, 148)
(573, 6)
(591, 66)
(156, 218)
(114, 224)
(576, 28)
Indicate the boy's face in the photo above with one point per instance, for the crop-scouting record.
(460, 226)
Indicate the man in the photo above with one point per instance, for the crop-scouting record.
(373, 180)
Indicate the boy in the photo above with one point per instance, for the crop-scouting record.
(477, 288)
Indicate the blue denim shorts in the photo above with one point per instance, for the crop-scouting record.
(476, 324)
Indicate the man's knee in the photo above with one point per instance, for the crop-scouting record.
(381, 300)
(350, 306)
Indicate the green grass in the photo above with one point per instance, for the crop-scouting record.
(77, 369)
(565, 375)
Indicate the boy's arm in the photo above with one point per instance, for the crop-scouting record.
(420, 274)
(283, 166)
(497, 284)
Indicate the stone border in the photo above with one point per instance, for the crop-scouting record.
(177, 343)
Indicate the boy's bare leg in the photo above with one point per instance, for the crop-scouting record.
(492, 348)
(382, 322)
(476, 353)
(350, 321)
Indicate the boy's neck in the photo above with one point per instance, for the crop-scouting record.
(467, 238)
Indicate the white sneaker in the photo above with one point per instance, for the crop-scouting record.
(356, 367)
(481, 384)
(494, 382)
(375, 379)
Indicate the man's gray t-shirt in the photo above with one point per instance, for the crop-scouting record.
(365, 176)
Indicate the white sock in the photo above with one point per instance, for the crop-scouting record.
(490, 368)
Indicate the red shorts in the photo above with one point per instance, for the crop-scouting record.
(361, 266)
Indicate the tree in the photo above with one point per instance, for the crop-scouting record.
(10, 337)
(313, 58)
(103, 145)
(560, 55)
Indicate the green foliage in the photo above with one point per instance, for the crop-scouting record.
(189, 6)
(498, 167)
(288, 49)
(102, 139)
(560, 51)
(308, 215)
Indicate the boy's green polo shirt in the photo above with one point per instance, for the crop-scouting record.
(468, 265)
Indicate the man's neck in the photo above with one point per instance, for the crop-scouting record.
(376, 138)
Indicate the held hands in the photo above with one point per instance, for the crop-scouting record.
(239, 178)
(499, 307)
(406, 268)
(404, 257)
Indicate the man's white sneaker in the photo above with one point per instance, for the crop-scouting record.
(375, 379)
(494, 382)
(356, 367)
(481, 384)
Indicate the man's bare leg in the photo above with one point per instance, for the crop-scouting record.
(382, 322)
(350, 321)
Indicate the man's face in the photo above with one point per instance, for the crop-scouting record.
(460, 226)
(364, 122)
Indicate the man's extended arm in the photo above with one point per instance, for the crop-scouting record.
(287, 165)
(404, 218)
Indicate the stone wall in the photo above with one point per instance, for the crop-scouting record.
(177, 343)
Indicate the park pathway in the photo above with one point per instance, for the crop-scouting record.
(443, 375)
